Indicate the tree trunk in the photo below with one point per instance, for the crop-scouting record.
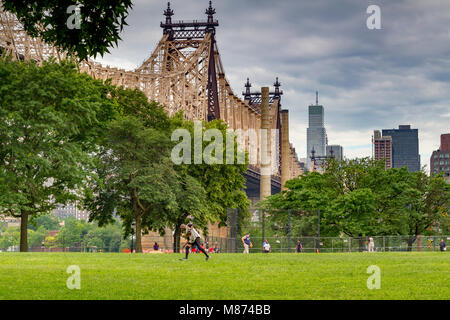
(138, 234)
(176, 239)
(411, 240)
(24, 231)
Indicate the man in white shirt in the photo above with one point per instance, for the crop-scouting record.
(194, 238)
(371, 244)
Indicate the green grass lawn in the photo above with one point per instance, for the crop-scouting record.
(225, 276)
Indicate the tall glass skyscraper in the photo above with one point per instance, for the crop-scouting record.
(405, 147)
(316, 134)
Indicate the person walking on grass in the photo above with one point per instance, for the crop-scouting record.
(247, 242)
(193, 238)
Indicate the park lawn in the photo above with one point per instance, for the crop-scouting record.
(408, 275)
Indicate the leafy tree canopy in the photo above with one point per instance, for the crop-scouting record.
(359, 198)
(92, 31)
(51, 120)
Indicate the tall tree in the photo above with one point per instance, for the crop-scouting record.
(136, 173)
(136, 178)
(221, 184)
(50, 120)
(426, 203)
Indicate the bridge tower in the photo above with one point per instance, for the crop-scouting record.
(182, 71)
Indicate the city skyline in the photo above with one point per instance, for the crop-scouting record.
(368, 79)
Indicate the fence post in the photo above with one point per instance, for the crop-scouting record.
(289, 230)
(318, 230)
(263, 226)
(236, 229)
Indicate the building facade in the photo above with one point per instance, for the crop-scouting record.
(440, 159)
(382, 148)
(316, 134)
(405, 147)
(71, 210)
(335, 151)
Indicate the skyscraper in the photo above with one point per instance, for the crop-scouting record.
(316, 135)
(440, 159)
(336, 151)
(382, 148)
(405, 147)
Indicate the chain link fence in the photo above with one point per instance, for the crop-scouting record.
(345, 244)
(277, 245)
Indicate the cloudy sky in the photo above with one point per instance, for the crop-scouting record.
(367, 79)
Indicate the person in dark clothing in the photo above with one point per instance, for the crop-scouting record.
(299, 246)
(156, 246)
(442, 245)
(246, 242)
(193, 238)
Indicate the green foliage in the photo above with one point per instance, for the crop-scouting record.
(360, 198)
(206, 189)
(224, 183)
(65, 137)
(10, 237)
(140, 183)
(137, 174)
(51, 118)
(100, 24)
(85, 236)
(36, 237)
(72, 233)
(46, 221)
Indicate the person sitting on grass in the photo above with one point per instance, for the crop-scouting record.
(442, 246)
(266, 246)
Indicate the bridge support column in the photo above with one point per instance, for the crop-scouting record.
(285, 152)
(265, 135)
